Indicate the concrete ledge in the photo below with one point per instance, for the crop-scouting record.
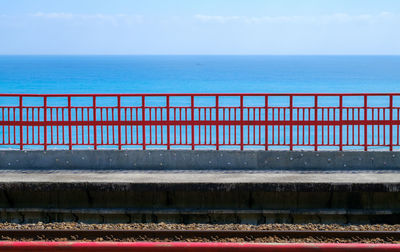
(198, 160)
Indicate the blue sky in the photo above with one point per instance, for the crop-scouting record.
(199, 27)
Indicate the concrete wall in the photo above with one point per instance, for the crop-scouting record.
(204, 203)
(199, 160)
(195, 196)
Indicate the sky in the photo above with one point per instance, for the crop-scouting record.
(200, 27)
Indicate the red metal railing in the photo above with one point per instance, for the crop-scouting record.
(217, 121)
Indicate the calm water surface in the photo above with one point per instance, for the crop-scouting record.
(198, 74)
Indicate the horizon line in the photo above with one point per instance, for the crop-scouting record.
(200, 54)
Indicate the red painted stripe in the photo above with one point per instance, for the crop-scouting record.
(192, 246)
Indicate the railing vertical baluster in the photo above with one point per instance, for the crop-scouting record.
(150, 127)
(15, 127)
(192, 117)
(119, 123)
(77, 127)
(101, 127)
(33, 127)
(241, 124)
(57, 129)
(63, 128)
(341, 123)
(365, 123)
(94, 124)
(322, 126)
(328, 133)
(83, 127)
(168, 125)
(316, 120)
(266, 122)
(143, 123)
(391, 123)
(205, 126)
(21, 139)
(291, 122)
(69, 124)
(126, 126)
(45, 122)
(9, 128)
(217, 120)
(297, 126)
(137, 126)
(186, 128)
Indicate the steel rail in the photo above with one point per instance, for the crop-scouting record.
(43, 234)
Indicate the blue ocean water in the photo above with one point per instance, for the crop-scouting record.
(199, 74)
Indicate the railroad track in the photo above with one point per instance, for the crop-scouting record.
(181, 235)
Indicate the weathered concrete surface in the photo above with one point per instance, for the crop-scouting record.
(100, 202)
(199, 160)
(197, 195)
(371, 179)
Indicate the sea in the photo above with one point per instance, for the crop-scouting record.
(199, 74)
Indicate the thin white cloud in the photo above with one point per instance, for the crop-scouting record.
(60, 15)
(332, 18)
(114, 18)
(219, 19)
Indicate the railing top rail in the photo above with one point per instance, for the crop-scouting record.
(202, 94)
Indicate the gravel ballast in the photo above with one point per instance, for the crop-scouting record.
(205, 227)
